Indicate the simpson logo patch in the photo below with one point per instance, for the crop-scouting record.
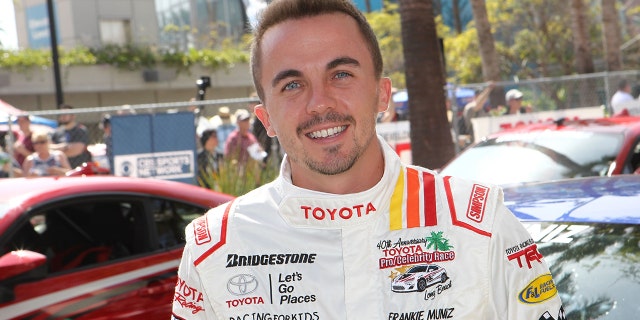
(540, 289)
(477, 203)
(201, 230)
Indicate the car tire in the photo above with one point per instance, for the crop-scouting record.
(422, 285)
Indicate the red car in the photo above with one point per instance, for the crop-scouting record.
(551, 151)
(98, 247)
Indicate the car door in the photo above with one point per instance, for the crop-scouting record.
(106, 259)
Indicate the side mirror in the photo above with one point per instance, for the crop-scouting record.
(20, 262)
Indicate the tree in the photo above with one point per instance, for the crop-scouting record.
(488, 54)
(386, 26)
(582, 49)
(581, 43)
(431, 142)
(612, 37)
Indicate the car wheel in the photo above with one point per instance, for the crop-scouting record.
(422, 285)
(443, 278)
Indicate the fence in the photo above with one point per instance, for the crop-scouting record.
(543, 94)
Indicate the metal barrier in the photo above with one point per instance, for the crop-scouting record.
(543, 94)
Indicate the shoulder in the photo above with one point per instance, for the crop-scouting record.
(207, 233)
(472, 205)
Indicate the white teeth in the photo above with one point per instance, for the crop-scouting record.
(326, 132)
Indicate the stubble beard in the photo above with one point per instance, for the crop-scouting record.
(336, 160)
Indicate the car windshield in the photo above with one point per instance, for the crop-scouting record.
(537, 156)
(417, 269)
(595, 267)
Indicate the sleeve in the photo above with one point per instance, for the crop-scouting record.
(80, 134)
(523, 287)
(189, 299)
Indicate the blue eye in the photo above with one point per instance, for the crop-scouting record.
(342, 74)
(291, 85)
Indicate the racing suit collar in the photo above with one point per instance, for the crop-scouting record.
(308, 208)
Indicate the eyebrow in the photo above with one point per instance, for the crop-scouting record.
(283, 75)
(342, 61)
(331, 65)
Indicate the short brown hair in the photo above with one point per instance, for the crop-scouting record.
(282, 10)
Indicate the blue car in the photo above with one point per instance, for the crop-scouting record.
(588, 230)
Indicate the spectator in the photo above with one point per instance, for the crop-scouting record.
(240, 141)
(208, 159)
(72, 138)
(23, 146)
(45, 161)
(475, 109)
(224, 123)
(105, 125)
(620, 97)
(514, 103)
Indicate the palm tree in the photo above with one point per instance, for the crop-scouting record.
(488, 53)
(438, 242)
(581, 45)
(612, 36)
(431, 142)
(582, 49)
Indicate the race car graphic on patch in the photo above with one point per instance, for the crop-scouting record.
(419, 278)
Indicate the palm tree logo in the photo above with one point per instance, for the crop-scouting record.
(438, 242)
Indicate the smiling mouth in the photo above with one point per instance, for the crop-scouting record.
(325, 133)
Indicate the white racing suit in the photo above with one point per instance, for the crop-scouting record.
(415, 246)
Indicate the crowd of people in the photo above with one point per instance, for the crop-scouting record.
(39, 153)
(235, 139)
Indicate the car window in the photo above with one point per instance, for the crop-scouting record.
(418, 269)
(517, 158)
(595, 266)
(171, 217)
(633, 162)
(82, 233)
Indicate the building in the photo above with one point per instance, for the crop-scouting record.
(95, 23)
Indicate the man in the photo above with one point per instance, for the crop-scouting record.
(23, 147)
(338, 233)
(621, 97)
(71, 138)
(208, 159)
(107, 138)
(514, 102)
(240, 140)
(475, 109)
(225, 123)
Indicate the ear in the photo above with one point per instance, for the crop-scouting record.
(384, 96)
(263, 115)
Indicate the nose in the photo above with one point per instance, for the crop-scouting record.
(320, 99)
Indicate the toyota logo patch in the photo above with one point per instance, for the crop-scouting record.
(242, 284)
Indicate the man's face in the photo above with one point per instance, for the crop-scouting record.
(321, 95)
(515, 103)
(244, 126)
(65, 119)
(23, 123)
